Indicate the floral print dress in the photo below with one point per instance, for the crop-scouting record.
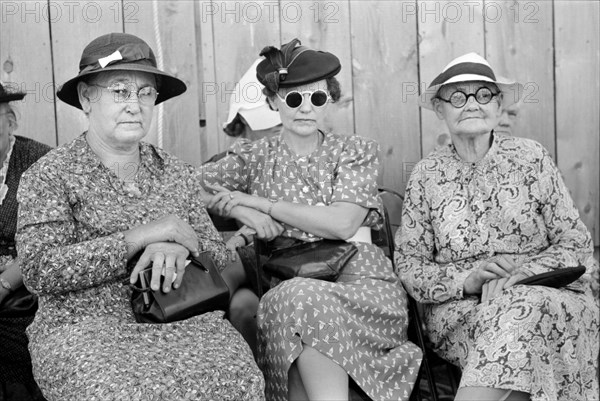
(84, 341)
(360, 321)
(457, 215)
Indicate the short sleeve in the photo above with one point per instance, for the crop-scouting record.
(356, 176)
(231, 171)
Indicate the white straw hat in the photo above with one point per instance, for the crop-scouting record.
(471, 67)
(249, 101)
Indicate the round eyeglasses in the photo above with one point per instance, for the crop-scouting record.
(458, 99)
(122, 92)
(294, 99)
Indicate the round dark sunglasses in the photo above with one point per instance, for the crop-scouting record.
(459, 98)
(294, 99)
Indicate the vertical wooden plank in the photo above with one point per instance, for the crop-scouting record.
(577, 106)
(209, 134)
(169, 27)
(519, 45)
(385, 76)
(25, 33)
(325, 26)
(240, 31)
(446, 30)
(77, 24)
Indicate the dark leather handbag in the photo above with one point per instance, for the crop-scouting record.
(555, 278)
(323, 260)
(202, 290)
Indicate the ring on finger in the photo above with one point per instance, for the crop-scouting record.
(230, 196)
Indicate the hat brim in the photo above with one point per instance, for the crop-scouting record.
(169, 85)
(511, 90)
(9, 97)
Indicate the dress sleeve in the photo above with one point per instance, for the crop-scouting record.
(231, 171)
(356, 175)
(209, 238)
(570, 241)
(426, 280)
(53, 260)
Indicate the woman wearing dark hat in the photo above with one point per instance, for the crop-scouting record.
(479, 215)
(17, 305)
(87, 208)
(313, 334)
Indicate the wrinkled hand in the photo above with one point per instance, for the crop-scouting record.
(167, 256)
(166, 229)
(498, 267)
(223, 201)
(264, 226)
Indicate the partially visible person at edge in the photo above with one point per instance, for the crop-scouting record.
(91, 205)
(319, 185)
(17, 305)
(479, 215)
(508, 119)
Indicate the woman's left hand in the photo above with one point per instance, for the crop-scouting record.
(493, 288)
(223, 201)
(169, 256)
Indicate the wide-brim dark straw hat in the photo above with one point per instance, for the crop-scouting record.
(120, 52)
(8, 95)
(468, 68)
(295, 65)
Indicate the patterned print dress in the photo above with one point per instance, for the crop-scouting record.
(360, 321)
(84, 341)
(538, 340)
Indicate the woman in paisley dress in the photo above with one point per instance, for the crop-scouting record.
(314, 335)
(89, 206)
(479, 215)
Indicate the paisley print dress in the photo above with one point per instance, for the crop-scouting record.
(457, 215)
(360, 321)
(84, 341)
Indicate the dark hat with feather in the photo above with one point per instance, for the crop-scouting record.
(295, 65)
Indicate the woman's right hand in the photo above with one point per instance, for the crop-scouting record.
(263, 224)
(498, 267)
(167, 256)
(166, 229)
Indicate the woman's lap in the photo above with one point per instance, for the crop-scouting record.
(360, 325)
(201, 357)
(534, 339)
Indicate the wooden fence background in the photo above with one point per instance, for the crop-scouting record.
(389, 50)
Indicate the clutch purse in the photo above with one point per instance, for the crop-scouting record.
(202, 290)
(555, 278)
(323, 260)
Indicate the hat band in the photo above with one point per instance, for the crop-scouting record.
(464, 68)
(127, 53)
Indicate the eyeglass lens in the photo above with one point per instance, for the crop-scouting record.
(294, 99)
(122, 93)
(482, 95)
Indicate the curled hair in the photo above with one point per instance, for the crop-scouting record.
(333, 86)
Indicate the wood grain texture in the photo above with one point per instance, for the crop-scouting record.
(172, 25)
(24, 33)
(385, 78)
(519, 45)
(577, 105)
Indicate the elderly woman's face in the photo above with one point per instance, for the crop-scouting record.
(119, 122)
(473, 118)
(305, 119)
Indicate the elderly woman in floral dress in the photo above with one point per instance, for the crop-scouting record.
(480, 215)
(86, 209)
